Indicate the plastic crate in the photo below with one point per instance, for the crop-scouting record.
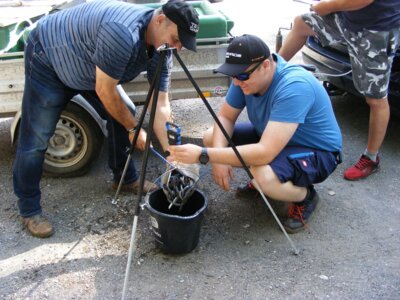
(213, 23)
(17, 17)
(13, 36)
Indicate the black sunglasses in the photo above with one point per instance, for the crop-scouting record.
(246, 75)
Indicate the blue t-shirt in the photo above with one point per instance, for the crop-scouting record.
(381, 15)
(107, 34)
(294, 96)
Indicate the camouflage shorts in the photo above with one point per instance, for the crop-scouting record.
(371, 52)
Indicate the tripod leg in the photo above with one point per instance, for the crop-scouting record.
(138, 127)
(132, 248)
(132, 245)
(228, 138)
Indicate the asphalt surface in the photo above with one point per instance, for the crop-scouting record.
(351, 250)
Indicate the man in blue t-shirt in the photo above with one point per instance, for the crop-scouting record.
(292, 140)
(90, 50)
(371, 31)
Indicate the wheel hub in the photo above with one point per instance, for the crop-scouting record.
(67, 145)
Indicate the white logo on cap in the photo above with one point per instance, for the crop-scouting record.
(194, 27)
(232, 54)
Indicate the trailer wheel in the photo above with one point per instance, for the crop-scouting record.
(75, 145)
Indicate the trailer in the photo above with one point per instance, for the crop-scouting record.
(74, 146)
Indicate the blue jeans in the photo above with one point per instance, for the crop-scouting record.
(45, 97)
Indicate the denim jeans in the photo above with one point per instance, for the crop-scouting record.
(45, 97)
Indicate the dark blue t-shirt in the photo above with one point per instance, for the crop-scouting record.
(107, 34)
(381, 15)
(294, 96)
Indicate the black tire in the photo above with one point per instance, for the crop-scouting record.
(75, 145)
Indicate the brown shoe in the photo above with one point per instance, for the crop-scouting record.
(38, 226)
(134, 187)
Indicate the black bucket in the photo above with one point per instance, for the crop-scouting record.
(176, 232)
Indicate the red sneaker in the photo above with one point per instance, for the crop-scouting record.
(362, 169)
(247, 191)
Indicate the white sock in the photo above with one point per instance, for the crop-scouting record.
(371, 156)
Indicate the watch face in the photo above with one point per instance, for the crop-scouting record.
(203, 159)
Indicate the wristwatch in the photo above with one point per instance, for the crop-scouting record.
(203, 158)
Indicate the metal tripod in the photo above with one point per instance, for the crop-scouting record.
(155, 87)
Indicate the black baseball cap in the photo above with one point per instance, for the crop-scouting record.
(242, 52)
(187, 20)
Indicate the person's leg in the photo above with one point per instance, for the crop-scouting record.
(296, 38)
(44, 99)
(310, 24)
(38, 121)
(378, 121)
(372, 80)
(274, 188)
(290, 178)
(207, 137)
(287, 177)
(368, 163)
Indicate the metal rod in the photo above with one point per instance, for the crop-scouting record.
(228, 138)
(161, 157)
(132, 248)
(138, 127)
(221, 127)
(156, 86)
(258, 188)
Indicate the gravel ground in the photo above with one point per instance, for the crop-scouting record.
(351, 250)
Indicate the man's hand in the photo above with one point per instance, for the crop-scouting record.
(222, 174)
(141, 140)
(187, 154)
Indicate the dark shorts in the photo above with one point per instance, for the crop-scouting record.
(302, 166)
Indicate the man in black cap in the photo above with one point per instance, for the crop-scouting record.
(292, 139)
(89, 50)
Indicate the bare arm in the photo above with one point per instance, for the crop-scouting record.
(106, 89)
(227, 116)
(163, 114)
(330, 6)
(107, 92)
(275, 137)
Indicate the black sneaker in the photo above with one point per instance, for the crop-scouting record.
(299, 213)
(247, 191)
